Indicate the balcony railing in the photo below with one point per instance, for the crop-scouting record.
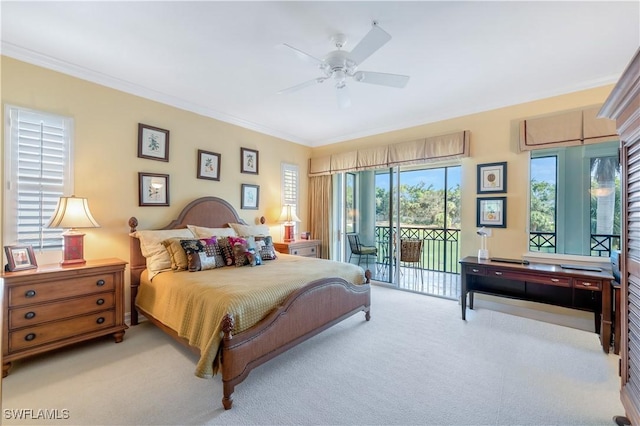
(601, 244)
(441, 247)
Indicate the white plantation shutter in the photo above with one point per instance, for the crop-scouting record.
(37, 174)
(290, 187)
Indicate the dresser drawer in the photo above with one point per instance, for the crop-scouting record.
(582, 284)
(54, 331)
(33, 315)
(530, 278)
(475, 270)
(305, 251)
(53, 290)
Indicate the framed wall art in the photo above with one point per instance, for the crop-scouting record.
(20, 258)
(250, 197)
(208, 165)
(153, 143)
(154, 189)
(492, 212)
(492, 178)
(248, 161)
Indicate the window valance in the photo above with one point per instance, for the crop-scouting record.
(568, 128)
(430, 149)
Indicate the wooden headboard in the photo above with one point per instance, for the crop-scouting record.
(212, 212)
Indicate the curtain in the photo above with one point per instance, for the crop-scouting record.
(320, 197)
(569, 128)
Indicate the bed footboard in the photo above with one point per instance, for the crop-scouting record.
(305, 313)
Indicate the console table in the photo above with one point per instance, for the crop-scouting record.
(543, 283)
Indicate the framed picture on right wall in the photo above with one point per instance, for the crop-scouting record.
(492, 178)
(492, 212)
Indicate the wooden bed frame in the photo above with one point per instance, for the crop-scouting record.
(305, 313)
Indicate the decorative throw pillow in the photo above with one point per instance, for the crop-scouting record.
(202, 254)
(226, 250)
(264, 246)
(177, 254)
(240, 250)
(253, 257)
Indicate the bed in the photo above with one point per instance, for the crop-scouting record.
(310, 303)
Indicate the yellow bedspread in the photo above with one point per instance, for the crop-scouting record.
(194, 303)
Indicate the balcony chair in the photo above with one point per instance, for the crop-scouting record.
(358, 249)
(411, 256)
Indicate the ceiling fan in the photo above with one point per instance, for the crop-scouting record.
(341, 65)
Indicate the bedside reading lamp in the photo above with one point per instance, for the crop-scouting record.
(72, 213)
(288, 217)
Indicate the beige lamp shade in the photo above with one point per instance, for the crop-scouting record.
(288, 215)
(72, 212)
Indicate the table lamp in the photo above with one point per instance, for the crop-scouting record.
(288, 217)
(73, 213)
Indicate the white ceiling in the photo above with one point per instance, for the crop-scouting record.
(220, 59)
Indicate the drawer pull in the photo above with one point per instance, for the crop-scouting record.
(100, 320)
(29, 337)
(555, 280)
(313, 250)
(498, 273)
(30, 315)
(586, 284)
(100, 283)
(475, 270)
(100, 302)
(295, 252)
(30, 293)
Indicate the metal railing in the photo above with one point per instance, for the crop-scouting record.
(601, 244)
(441, 247)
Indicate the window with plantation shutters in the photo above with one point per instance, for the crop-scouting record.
(290, 187)
(37, 173)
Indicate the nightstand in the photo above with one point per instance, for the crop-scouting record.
(54, 306)
(306, 248)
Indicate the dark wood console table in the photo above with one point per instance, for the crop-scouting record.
(543, 283)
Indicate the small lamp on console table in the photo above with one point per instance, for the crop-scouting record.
(73, 213)
(288, 217)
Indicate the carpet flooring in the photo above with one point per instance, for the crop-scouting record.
(415, 362)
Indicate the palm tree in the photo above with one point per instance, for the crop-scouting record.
(603, 170)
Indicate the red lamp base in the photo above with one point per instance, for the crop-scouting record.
(288, 233)
(73, 250)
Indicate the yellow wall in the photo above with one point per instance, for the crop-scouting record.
(107, 166)
(494, 136)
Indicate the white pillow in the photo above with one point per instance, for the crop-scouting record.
(158, 258)
(204, 232)
(250, 230)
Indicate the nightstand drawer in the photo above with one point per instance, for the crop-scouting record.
(50, 332)
(55, 290)
(33, 315)
(305, 251)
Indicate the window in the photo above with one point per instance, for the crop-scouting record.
(575, 200)
(350, 202)
(290, 188)
(38, 171)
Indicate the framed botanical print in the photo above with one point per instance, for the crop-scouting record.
(492, 212)
(153, 143)
(208, 165)
(492, 178)
(248, 161)
(250, 197)
(153, 189)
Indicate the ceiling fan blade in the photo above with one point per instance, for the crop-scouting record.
(302, 55)
(344, 100)
(374, 40)
(381, 78)
(302, 85)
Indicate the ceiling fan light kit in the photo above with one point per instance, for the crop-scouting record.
(341, 65)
